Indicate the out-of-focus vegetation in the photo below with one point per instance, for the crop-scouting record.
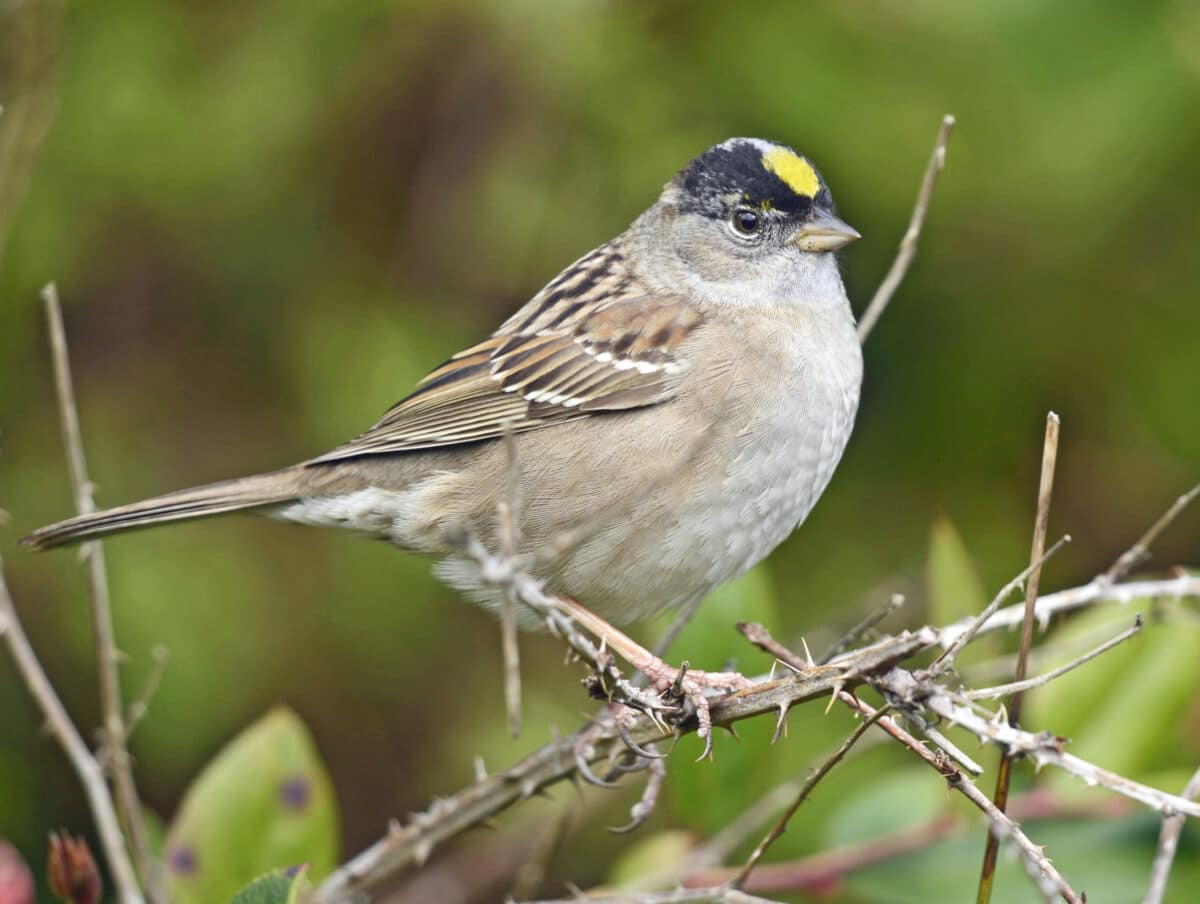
(267, 220)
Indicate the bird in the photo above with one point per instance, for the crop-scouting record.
(677, 399)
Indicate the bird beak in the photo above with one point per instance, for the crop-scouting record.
(824, 232)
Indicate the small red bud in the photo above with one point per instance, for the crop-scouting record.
(16, 881)
(73, 873)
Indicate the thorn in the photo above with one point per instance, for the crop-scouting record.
(838, 686)
(807, 654)
(480, 770)
(781, 722)
(422, 851)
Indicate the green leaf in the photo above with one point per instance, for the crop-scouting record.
(264, 802)
(651, 855)
(952, 583)
(712, 634)
(901, 798)
(1149, 683)
(1109, 860)
(276, 887)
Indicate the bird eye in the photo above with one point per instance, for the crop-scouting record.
(745, 221)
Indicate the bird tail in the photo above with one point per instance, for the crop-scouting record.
(198, 502)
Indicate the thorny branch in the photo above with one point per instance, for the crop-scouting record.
(917, 695)
(875, 664)
(1046, 878)
(114, 752)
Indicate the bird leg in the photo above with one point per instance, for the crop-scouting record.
(684, 684)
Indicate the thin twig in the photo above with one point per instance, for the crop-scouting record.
(1168, 841)
(556, 761)
(987, 873)
(412, 843)
(905, 690)
(138, 708)
(1095, 591)
(739, 881)
(1019, 687)
(895, 602)
(908, 244)
(82, 761)
(946, 661)
(1140, 551)
(1037, 865)
(115, 750)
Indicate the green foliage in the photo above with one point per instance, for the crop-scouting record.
(277, 887)
(951, 581)
(1125, 709)
(949, 871)
(264, 802)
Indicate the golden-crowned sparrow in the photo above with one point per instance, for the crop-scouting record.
(679, 398)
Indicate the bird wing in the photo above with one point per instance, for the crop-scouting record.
(623, 355)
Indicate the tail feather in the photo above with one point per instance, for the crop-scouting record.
(198, 502)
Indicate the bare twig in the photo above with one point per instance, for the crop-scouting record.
(1140, 551)
(821, 872)
(908, 244)
(895, 602)
(1041, 522)
(761, 637)
(1096, 591)
(739, 881)
(1168, 841)
(905, 689)
(137, 709)
(1046, 878)
(977, 623)
(447, 817)
(1017, 687)
(412, 843)
(115, 752)
(82, 761)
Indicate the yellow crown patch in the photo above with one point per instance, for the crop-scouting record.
(794, 170)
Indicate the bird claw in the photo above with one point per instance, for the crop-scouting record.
(656, 775)
(580, 750)
(627, 738)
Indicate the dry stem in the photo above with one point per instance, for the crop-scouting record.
(1168, 841)
(114, 751)
(739, 881)
(1039, 867)
(991, 849)
(85, 765)
(908, 244)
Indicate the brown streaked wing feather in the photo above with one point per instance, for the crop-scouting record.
(623, 355)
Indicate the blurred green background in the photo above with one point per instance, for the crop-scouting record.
(268, 219)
